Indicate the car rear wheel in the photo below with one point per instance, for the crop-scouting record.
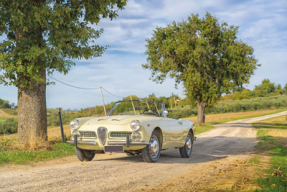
(186, 150)
(151, 152)
(84, 154)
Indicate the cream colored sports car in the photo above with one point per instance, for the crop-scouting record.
(133, 127)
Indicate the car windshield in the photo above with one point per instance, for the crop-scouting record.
(136, 107)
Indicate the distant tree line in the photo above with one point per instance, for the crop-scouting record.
(265, 89)
(243, 105)
(4, 104)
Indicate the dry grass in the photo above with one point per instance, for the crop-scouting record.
(53, 133)
(3, 114)
(275, 119)
(225, 116)
(275, 127)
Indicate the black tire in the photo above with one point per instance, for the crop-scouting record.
(84, 154)
(147, 153)
(186, 150)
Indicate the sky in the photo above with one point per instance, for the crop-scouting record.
(262, 25)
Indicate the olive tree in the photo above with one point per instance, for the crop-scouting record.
(206, 56)
(43, 36)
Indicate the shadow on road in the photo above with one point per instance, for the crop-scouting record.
(205, 149)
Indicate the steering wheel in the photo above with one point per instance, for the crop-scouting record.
(151, 110)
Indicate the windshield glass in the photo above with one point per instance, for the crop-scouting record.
(137, 107)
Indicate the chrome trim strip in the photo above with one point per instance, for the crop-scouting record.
(175, 141)
(131, 143)
(83, 142)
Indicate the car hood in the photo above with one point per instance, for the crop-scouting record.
(113, 120)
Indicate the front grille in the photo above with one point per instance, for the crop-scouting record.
(88, 134)
(120, 134)
(102, 131)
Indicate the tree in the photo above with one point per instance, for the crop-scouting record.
(206, 56)
(265, 87)
(278, 89)
(43, 37)
(284, 91)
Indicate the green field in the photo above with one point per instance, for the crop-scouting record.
(3, 119)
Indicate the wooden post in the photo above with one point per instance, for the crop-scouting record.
(61, 125)
(103, 102)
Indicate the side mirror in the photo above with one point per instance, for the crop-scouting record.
(165, 114)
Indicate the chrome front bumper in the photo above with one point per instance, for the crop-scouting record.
(83, 142)
(110, 142)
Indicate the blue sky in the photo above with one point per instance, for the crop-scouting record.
(262, 24)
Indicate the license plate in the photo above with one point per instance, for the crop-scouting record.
(114, 148)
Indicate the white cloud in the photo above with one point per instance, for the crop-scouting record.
(262, 24)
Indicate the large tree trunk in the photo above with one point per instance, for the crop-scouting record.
(32, 117)
(200, 115)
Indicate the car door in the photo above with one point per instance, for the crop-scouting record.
(176, 136)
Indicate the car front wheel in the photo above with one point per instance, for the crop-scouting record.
(84, 154)
(151, 152)
(186, 150)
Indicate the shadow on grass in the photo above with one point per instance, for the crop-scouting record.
(270, 125)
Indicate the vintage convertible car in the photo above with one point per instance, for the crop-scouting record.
(133, 127)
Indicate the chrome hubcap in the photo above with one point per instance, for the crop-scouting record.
(188, 145)
(154, 147)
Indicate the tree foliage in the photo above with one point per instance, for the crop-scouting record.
(266, 86)
(49, 35)
(206, 56)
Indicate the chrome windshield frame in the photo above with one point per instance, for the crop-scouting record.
(162, 105)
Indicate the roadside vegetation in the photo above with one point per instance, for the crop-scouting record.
(273, 142)
(266, 170)
(8, 125)
(12, 153)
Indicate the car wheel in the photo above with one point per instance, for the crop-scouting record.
(151, 152)
(186, 150)
(84, 154)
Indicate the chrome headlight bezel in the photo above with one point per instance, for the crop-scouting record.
(135, 125)
(74, 124)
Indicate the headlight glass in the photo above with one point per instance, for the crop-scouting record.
(136, 136)
(74, 124)
(135, 125)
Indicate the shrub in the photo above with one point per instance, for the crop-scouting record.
(9, 126)
(10, 111)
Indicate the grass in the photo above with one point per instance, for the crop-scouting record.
(255, 159)
(3, 118)
(273, 142)
(10, 153)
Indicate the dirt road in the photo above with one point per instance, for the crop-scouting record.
(118, 172)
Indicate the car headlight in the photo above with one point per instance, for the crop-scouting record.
(135, 125)
(74, 124)
(136, 136)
